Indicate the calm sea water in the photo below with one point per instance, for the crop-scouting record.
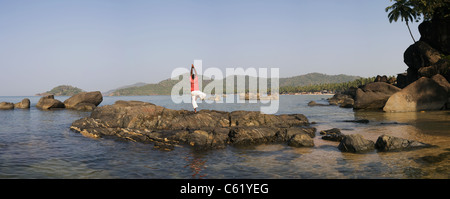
(39, 144)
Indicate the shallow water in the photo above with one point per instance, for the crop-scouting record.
(39, 144)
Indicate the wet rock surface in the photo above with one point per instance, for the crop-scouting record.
(208, 129)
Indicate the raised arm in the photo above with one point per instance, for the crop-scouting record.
(194, 70)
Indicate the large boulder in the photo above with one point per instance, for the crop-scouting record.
(6, 105)
(423, 94)
(94, 98)
(374, 95)
(24, 104)
(420, 54)
(391, 143)
(206, 129)
(49, 102)
(355, 143)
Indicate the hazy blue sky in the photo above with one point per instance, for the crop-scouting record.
(105, 44)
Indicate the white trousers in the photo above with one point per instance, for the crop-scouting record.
(195, 95)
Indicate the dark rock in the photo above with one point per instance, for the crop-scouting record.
(420, 54)
(435, 32)
(332, 134)
(350, 92)
(338, 99)
(381, 78)
(402, 80)
(391, 143)
(24, 104)
(146, 122)
(423, 94)
(433, 159)
(347, 103)
(94, 98)
(6, 105)
(355, 143)
(49, 102)
(374, 95)
(441, 67)
(361, 121)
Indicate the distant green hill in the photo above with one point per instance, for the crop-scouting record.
(63, 90)
(165, 87)
(315, 79)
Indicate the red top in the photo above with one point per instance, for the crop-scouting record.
(194, 83)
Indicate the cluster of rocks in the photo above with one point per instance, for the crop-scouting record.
(355, 143)
(24, 104)
(207, 129)
(87, 101)
(424, 94)
(425, 86)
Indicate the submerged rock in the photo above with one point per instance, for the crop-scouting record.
(355, 143)
(332, 134)
(391, 143)
(314, 103)
(207, 129)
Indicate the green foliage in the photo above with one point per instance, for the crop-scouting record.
(165, 87)
(335, 87)
(428, 8)
(402, 9)
(315, 78)
(447, 57)
(64, 90)
(418, 9)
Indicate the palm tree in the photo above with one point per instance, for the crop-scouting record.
(402, 9)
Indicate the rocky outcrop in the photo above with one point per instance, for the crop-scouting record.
(423, 94)
(420, 54)
(49, 102)
(436, 32)
(430, 55)
(84, 101)
(339, 98)
(301, 140)
(391, 143)
(333, 134)
(6, 105)
(206, 129)
(374, 95)
(314, 103)
(24, 104)
(355, 143)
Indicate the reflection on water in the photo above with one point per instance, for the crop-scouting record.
(196, 164)
(39, 144)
